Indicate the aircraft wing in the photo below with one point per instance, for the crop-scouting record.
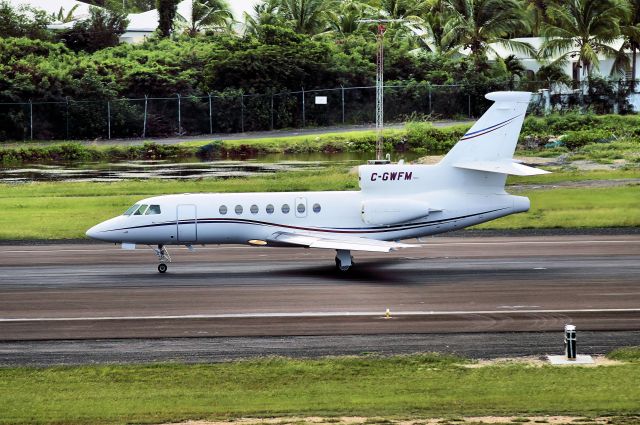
(313, 240)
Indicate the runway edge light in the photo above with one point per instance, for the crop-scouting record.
(570, 350)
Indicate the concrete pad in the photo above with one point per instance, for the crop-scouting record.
(562, 360)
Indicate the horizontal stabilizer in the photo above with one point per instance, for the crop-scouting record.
(312, 240)
(502, 167)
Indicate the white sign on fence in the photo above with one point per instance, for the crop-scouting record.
(321, 100)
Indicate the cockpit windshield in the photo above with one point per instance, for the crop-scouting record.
(131, 209)
(143, 209)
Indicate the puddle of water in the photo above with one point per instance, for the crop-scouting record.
(188, 169)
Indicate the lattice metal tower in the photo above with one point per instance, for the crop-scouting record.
(380, 81)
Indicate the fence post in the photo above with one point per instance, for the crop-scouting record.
(430, 105)
(469, 100)
(66, 100)
(242, 113)
(342, 96)
(210, 116)
(109, 119)
(179, 116)
(30, 119)
(144, 124)
(272, 110)
(303, 111)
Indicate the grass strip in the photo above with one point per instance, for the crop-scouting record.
(416, 386)
(67, 210)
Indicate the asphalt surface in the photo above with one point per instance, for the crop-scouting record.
(213, 350)
(229, 301)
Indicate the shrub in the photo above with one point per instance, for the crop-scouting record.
(577, 139)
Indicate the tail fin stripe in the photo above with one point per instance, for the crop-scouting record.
(487, 130)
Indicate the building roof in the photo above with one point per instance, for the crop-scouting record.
(53, 6)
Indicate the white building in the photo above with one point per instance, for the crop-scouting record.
(572, 68)
(141, 25)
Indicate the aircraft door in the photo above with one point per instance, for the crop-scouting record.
(187, 223)
(301, 207)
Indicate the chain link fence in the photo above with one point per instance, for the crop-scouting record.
(234, 112)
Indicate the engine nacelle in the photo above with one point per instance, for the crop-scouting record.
(390, 211)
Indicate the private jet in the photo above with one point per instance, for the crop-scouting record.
(396, 201)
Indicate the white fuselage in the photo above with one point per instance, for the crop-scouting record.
(436, 199)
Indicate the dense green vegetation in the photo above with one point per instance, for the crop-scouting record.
(289, 45)
(44, 208)
(582, 136)
(417, 386)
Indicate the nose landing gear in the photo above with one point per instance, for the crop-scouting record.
(163, 257)
(344, 260)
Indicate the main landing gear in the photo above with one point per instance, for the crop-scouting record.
(163, 257)
(344, 260)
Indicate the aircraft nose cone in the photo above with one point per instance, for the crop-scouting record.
(92, 233)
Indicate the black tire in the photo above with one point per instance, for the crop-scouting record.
(162, 268)
(340, 267)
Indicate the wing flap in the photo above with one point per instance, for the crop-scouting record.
(311, 240)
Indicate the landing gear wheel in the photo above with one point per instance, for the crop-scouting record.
(344, 260)
(340, 267)
(162, 268)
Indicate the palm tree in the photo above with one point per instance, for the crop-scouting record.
(405, 9)
(264, 13)
(66, 17)
(582, 29)
(345, 19)
(433, 23)
(208, 14)
(306, 16)
(537, 10)
(476, 24)
(630, 31)
(514, 68)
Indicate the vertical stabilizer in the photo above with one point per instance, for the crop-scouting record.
(493, 138)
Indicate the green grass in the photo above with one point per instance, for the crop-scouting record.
(405, 386)
(67, 210)
(576, 176)
(626, 354)
(575, 208)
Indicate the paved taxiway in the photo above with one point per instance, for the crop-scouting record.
(451, 284)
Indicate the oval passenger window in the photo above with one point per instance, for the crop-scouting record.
(285, 209)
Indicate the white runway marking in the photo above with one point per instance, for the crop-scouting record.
(316, 314)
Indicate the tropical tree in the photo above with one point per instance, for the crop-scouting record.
(207, 14)
(433, 23)
(346, 18)
(23, 21)
(306, 16)
(583, 29)
(264, 13)
(630, 30)
(514, 68)
(66, 16)
(537, 11)
(167, 11)
(102, 29)
(476, 24)
(405, 9)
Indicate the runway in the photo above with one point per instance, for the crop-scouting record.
(450, 285)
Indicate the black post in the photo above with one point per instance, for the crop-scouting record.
(271, 110)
